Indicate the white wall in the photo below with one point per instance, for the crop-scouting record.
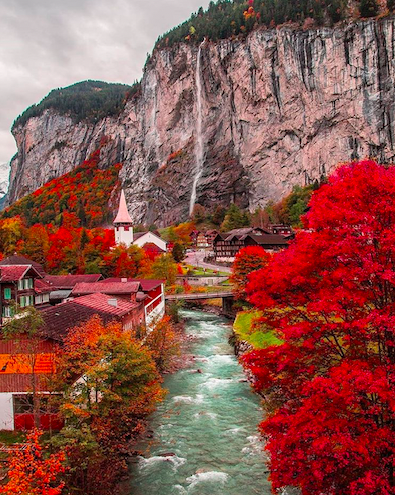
(6, 412)
(150, 237)
(123, 236)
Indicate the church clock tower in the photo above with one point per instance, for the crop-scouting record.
(123, 224)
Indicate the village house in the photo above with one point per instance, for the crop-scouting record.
(227, 245)
(154, 300)
(16, 287)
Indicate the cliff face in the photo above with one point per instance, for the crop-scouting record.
(280, 108)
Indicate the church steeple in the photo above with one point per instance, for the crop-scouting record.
(123, 224)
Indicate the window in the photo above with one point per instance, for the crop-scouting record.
(30, 283)
(20, 284)
(39, 299)
(46, 298)
(7, 293)
(23, 403)
(22, 302)
(25, 283)
(8, 311)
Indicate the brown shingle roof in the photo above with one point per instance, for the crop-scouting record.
(269, 239)
(106, 288)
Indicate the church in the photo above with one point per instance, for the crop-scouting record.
(123, 226)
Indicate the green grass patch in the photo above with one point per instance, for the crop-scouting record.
(11, 437)
(197, 271)
(258, 335)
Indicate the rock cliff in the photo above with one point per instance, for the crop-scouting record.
(279, 108)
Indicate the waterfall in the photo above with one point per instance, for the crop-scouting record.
(199, 148)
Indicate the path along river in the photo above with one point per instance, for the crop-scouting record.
(208, 421)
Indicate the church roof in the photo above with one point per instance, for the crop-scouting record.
(123, 214)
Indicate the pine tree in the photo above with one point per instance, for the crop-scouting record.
(369, 8)
(391, 5)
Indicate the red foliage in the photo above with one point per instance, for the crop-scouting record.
(77, 198)
(331, 297)
(247, 260)
(32, 473)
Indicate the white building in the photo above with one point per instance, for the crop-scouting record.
(123, 226)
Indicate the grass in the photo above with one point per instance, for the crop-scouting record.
(11, 437)
(198, 271)
(257, 335)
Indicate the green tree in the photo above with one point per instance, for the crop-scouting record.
(369, 8)
(235, 219)
(178, 252)
(118, 386)
(165, 268)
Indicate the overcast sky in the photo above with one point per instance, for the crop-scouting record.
(47, 44)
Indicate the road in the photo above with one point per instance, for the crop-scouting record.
(195, 258)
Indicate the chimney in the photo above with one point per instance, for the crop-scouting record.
(112, 302)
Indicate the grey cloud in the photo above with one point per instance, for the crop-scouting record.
(46, 44)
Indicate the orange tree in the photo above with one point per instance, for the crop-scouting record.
(110, 385)
(31, 472)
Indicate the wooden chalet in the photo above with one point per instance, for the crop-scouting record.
(227, 245)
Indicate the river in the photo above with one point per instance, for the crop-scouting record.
(205, 432)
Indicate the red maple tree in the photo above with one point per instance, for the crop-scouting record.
(330, 387)
(247, 260)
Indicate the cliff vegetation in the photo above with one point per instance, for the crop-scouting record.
(82, 194)
(224, 19)
(86, 100)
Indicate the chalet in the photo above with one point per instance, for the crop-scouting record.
(227, 245)
(16, 286)
(123, 226)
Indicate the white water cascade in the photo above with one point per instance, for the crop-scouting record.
(199, 148)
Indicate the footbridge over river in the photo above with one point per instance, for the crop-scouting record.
(226, 296)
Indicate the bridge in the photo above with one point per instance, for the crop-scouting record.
(198, 295)
(226, 296)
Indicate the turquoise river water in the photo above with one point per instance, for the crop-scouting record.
(205, 432)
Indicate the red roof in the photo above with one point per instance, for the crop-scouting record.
(123, 214)
(106, 287)
(69, 281)
(16, 259)
(12, 273)
(146, 284)
(109, 304)
(58, 320)
(42, 287)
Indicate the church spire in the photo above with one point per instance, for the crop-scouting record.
(123, 214)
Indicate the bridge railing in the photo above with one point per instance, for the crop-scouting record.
(198, 295)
